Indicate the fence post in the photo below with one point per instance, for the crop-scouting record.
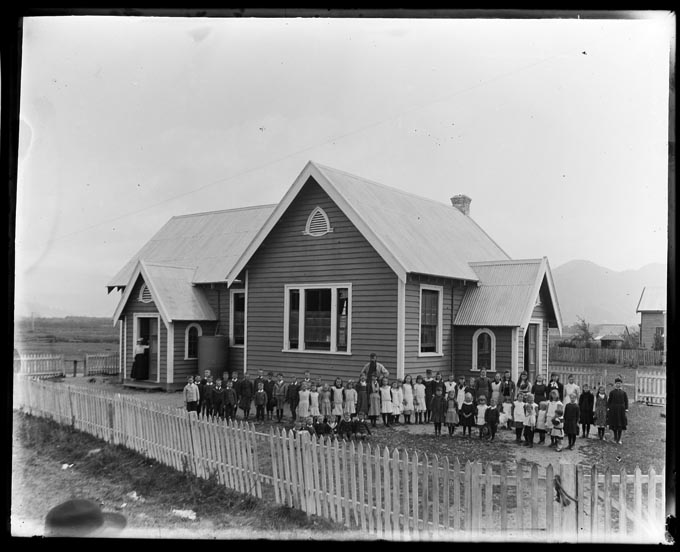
(75, 368)
(568, 496)
(84, 367)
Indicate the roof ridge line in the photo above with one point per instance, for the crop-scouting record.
(225, 210)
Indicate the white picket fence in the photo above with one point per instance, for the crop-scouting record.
(650, 387)
(392, 494)
(39, 365)
(102, 364)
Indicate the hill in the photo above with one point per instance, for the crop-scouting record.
(600, 295)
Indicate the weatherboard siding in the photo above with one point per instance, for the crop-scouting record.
(649, 321)
(463, 349)
(453, 295)
(342, 256)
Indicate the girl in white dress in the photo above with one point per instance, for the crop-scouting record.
(385, 401)
(350, 404)
(407, 390)
(338, 398)
(554, 404)
(314, 402)
(397, 401)
(303, 405)
(419, 399)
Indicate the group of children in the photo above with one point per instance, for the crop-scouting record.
(343, 408)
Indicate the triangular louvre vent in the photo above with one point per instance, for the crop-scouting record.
(145, 294)
(317, 223)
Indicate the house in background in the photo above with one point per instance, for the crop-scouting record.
(339, 268)
(610, 336)
(652, 309)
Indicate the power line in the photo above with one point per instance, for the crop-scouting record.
(303, 150)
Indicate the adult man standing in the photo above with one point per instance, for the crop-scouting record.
(373, 366)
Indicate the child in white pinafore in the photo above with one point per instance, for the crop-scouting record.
(338, 399)
(385, 401)
(314, 402)
(542, 421)
(480, 420)
(505, 418)
(554, 404)
(518, 416)
(419, 399)
(407, 390)
(350, 404)
(397, 401)
(303, 404)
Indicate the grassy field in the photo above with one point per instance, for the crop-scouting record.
(72, 336)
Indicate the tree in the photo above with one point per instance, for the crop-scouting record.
(631, 340)
(584, 336)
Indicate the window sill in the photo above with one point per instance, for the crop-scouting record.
(190, 358)
(314, 352)
(425, 355)
(236, 346)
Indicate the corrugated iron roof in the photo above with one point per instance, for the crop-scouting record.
(605, 331)
(211, 242)
(653, 299)
(179, 299)
(425, 236)
(504, 291)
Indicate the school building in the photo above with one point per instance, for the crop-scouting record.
(341, 267)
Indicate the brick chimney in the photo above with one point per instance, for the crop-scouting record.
(462, 203)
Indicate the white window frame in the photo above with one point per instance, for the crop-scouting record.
(328, 229)
(301, 320)
(539, 345)
(186, 340)
(231, 318)
(440, 320)
(475, 336)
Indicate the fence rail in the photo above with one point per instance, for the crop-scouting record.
(598, 355)
(102, 364)
(389, 493)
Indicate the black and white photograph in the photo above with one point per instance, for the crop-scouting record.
(342, 275)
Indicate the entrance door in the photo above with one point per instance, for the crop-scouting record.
(531, 351)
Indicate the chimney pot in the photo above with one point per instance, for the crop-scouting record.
(462, 203)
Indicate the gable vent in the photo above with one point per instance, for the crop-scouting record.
(145, 294)
(317, 223)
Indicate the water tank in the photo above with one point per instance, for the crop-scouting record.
(212, 354)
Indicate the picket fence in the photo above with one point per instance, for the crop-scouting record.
(39, 365)
(650, 387)
(102, 364)
(593, 376)
(598, 355)
(391, 494)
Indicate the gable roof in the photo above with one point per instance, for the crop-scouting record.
(506, 294)
(611, 331)
(412, 234)
(653, 299)
(209, 242)
(171, 290)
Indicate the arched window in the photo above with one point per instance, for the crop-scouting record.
(484, 350)
(193, 332)
(145, 294)
(317, 223)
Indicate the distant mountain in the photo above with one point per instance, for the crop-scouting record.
(600, 295)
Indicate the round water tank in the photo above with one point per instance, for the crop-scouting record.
(212, 354)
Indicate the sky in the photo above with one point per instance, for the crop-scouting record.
(556, 128)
